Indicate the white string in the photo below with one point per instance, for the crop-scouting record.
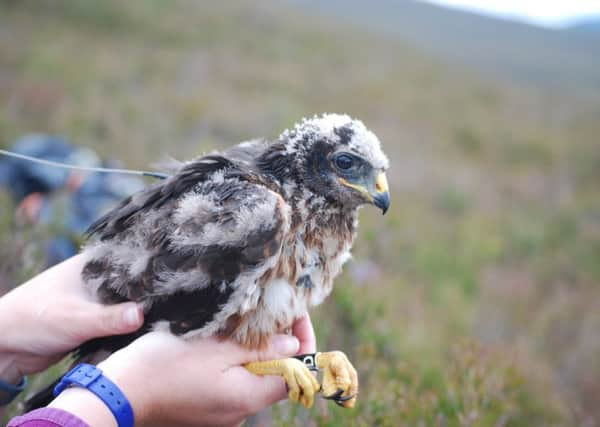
(83, 168)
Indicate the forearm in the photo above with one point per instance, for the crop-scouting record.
(125, 380)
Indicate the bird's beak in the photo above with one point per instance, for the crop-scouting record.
(376, 193)
(381, 196)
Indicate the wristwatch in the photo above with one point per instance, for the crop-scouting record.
(91, 378)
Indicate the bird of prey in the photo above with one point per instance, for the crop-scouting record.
(239, 244)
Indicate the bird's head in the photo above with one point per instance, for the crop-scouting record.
(339, 159)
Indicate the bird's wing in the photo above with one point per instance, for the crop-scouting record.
(132, 208)
(188, 255)
(190, 249)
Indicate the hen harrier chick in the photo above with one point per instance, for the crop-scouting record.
(240, 244)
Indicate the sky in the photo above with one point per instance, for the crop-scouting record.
(551, 13)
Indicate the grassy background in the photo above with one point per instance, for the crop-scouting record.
(474, 302)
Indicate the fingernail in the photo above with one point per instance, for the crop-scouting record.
(285, 345)
(133, 315)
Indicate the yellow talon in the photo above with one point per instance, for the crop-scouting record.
(340, 380)
(301, 383)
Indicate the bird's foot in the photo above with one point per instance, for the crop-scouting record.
(301, 383)
(340, 380)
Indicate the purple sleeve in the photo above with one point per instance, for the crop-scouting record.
(47, 417)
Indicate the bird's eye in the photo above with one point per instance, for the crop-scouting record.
(344, 161)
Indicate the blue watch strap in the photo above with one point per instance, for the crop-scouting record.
(9, 391)
(90, 377)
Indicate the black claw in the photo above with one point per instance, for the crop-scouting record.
(335, 396)
(345, 398)
(338, 398)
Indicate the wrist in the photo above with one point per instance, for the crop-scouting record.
(9, 370)
(133, 384)
(85, 405)
(12, 382)
(92, 379)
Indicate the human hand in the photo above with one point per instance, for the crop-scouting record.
(169, 381)
(29, 208)
(304, 331)
(50, 315)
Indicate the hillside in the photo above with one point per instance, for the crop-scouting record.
(474, 301)
(521, 53)
(587, 25)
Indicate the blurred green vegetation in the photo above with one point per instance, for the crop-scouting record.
(474, 302)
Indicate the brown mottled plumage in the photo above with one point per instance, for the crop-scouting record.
(239, 244)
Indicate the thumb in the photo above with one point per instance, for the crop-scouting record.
(271, 388)
(114, 319)
(278, 347)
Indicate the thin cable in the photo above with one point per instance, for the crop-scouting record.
(83, 168)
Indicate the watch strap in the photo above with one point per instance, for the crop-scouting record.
(91, 378)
